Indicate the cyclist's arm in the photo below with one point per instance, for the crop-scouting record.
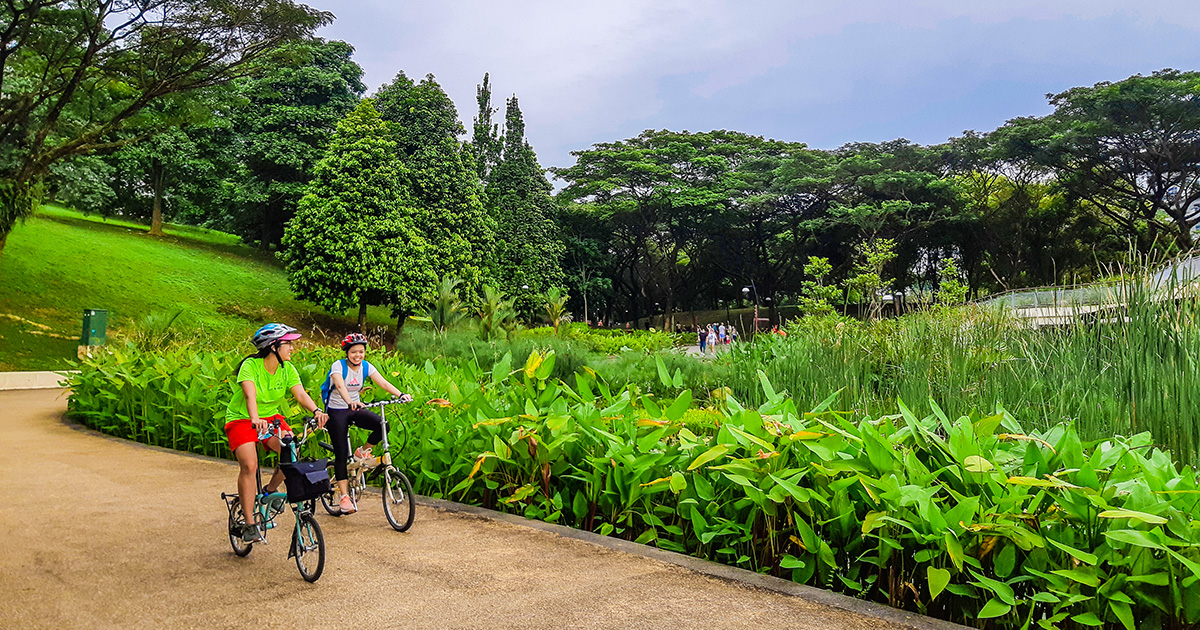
(306, 401)
(383, 382)
(340, 385)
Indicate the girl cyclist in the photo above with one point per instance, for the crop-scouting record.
(263, 378)
(345, 409)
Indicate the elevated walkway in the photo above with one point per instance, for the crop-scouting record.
(1040, 307)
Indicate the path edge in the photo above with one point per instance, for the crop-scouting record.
(709, 568)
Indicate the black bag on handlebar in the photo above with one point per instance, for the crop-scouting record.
(305, 480)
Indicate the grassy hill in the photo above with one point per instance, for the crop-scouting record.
(61, 262)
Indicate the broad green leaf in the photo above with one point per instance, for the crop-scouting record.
(1088, 619)
(1081, 556)
(707, 456)
(1134, 537)
(871, 521)
(799, 494)
(938, 579)
(1123, 612)
(791, 562)
(1002, 590)
(678, 482)
(977, 464)
(1085, 577)
(663, 375)
(1006, 560)
(766, 386)
(675, 412)
(994, 608)
(1133, 514)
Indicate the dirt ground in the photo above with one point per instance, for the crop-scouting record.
(102, 533)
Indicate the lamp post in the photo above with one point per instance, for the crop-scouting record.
(746, 291)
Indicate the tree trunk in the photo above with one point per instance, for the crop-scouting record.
(158, 176)
(3, 238)
(362, 314)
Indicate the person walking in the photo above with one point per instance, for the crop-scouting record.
(712, 339)
(703, 337)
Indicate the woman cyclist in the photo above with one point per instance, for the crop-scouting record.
(264, 378)
(345, 409)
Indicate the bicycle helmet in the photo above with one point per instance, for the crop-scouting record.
(352, 339)
(269, 335)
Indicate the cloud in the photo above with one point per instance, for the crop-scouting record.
(819, 72)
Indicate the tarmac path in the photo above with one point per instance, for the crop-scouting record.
(104, 533)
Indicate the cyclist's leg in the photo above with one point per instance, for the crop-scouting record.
(275, 445)
(247, 458)
(339, 429)
(369, 420)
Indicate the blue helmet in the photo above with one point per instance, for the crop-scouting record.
(271, 334)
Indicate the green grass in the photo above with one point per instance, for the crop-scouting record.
(60, 262)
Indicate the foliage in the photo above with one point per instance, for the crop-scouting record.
(868, 278)
(447, 308)
(972, 519)
(1132, 149)
(816, 297)
(354, 240)
(443, 180)
(73, 74)
(283, 128)
(951, 290)
(528, 250)
(496, 314)
(555, 308)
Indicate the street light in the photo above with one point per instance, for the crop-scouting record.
(746, 291)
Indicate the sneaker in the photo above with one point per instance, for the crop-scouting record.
(363, 454)
(251, 534)
(347, 505)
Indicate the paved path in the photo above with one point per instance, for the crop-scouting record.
(103, 533)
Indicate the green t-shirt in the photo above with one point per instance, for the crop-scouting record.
(269, 389)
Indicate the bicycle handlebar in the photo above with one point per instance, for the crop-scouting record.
(380, 403)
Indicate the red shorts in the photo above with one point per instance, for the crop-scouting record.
(242, 432)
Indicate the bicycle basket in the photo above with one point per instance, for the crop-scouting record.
(305, 480)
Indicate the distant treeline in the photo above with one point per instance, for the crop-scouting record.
(663, 222)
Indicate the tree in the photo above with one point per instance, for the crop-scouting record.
(74, 73)
(1132, 148)
(869, 279)
(528, 249)
(496, 314)
(816, 296)
(443, 180)
(487, 143)
(354, 240)
(662, 190)
(284, 127)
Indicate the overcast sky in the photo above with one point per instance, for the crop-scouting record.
(824, 73)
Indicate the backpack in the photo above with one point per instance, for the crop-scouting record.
(327, 386)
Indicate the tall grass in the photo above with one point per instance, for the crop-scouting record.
(1119, 372)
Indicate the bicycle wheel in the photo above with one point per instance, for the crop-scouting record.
(236, 521)
(398, 505)
(309, 548)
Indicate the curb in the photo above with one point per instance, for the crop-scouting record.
(30, 380)
(872, 610)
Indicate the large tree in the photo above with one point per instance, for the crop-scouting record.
(442, 176)
(74, 72)
(1132, 149)
(528, 247)
(285, 126)
(354, 239)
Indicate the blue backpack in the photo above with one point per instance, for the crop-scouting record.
(327, 386)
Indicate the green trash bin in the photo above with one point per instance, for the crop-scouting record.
(95, 324)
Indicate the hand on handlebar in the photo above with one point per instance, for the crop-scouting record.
(355, 405)
(261, 425)
(321, 417)
(404, 398)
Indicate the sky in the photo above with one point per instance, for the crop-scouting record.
(823, 73)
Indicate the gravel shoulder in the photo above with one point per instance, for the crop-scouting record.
(103, 533)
